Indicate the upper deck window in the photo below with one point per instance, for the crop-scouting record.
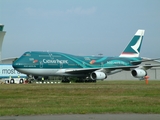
(43, 55)
(26, 54)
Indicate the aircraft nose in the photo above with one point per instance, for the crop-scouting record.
(15, 64)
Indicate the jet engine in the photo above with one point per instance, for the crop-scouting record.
(138, 73)
(98, 75)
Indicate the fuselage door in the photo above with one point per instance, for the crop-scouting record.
(41, 64)
(50, 55)
(102, 64)
(61, 65)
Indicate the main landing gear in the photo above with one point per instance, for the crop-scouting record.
(77, 80)
(85, 80)
(65, 80)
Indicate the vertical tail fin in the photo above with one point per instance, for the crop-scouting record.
(133, 48)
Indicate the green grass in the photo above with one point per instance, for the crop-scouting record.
(80, 98)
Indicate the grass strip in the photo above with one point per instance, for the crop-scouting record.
(80, 98)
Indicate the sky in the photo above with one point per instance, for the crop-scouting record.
(79, 27)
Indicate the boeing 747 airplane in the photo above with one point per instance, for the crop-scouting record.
(39, 63)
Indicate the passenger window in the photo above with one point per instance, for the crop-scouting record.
(26, 54)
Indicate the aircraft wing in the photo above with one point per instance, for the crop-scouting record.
(108, 69)
(89, 70)
(148, 66)
(82, 70)
(145, 60)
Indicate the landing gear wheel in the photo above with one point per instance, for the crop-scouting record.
(12, 81)
(21, 81)
(65, 80)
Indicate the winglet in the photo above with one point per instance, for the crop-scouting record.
(133, 48)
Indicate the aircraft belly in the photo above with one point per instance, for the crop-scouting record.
(38, 71)
(47, 72)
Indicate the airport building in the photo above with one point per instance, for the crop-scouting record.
(8, 60)
(2, 34)
(153, 73)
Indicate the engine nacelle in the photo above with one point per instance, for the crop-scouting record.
(138, 73)
(98, 75)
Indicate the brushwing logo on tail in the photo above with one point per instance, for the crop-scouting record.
(136, 46)
(133, 48)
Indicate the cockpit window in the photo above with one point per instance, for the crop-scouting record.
(26, 54)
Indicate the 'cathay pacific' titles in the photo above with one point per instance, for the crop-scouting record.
(55, 61)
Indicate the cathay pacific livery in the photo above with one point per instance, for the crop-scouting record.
(39, 63)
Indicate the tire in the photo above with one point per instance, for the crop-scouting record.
(7, 81)
(12, 81)
(21, 81)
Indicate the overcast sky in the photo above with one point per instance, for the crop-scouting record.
(80, 27)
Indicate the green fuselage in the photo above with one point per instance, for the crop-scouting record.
(56, 60)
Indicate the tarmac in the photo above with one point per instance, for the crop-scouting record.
(86, 117)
